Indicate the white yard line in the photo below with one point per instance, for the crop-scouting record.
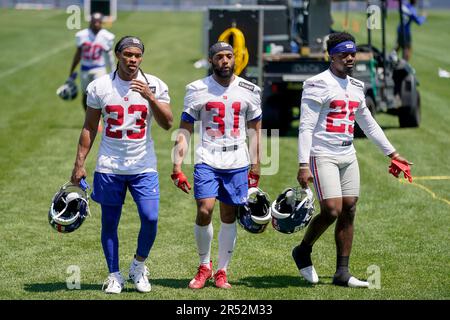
(36, 59)
(433, 195)
(432, 178)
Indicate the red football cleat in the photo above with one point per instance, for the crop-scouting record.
(220, 279)
(203, 275)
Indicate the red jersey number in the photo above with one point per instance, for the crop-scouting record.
(117, 121)
(342, 113)
(91, 51)
(218, 118)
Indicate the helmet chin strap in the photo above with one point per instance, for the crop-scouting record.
(255, 214)
(71, 215)
(301, 210)
(63, 222)
(74, 218)
(307, 201)
(60, 213)
(301, 204)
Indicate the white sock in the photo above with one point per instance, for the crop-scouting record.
(203, 237)
(116, 275)
(227, 241)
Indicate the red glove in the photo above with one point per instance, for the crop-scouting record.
(253, 180)
(181, 181)
(396, 167)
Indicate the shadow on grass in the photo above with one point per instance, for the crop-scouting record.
(274, 282)
(171, 283)
(62, 286)
(251, 282)
(58, 286)
(390, 127)
(281, 281)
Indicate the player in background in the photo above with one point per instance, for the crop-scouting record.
(404, 36)
(224, 105)
(94, 51)
(129, 100)
(331, 102)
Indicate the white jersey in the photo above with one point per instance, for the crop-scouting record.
(93, 47)
(330, 106)
(127, 145)
(223, 113)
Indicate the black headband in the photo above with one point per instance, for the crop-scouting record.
(219, 46)
(129, 42)
(97, 16)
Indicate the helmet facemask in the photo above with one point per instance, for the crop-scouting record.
(254, 215)
(293, 210)
(69, 208)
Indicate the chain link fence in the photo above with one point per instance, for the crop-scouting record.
(126, 4)
(189, 5)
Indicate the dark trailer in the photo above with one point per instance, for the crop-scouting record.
(285, 42)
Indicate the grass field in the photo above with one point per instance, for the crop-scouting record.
(401, 228)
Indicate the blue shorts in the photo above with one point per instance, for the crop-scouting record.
(228, 186)
(110, 189)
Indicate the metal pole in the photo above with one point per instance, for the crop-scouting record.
(383, 43)
(346, 20)
(383, 28)
(369, 30)
(372, 59)
(421, 6)
(402, 27)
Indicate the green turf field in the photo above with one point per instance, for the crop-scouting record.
(401, 228)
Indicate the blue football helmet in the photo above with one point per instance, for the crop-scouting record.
(69, 90)
(254, 215)
(69, 208)
(292, 210)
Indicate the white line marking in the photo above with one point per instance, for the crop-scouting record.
(433, 195)
(432, 178)
(36, 59)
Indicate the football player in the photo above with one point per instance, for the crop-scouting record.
(128, 99)
(224, 105)
(331, 102)
(404, 35)
(94, 51)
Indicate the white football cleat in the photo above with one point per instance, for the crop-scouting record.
(138, 274)
(310, 274)
(114, 283)
(355, 283)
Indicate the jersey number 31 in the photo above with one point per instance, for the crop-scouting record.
(219, 119)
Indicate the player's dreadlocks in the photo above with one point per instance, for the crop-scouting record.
(120, 45)
(338, 37)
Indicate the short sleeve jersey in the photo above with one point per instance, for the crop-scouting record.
(222, 114)
(93, 46)
(127, 145)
